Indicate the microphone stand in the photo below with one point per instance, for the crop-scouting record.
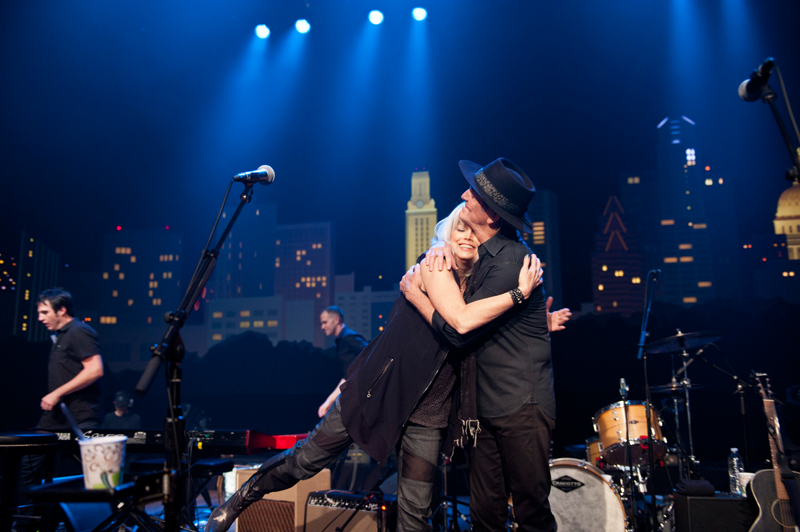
(769, 96)
(171, 350)
(643, 357)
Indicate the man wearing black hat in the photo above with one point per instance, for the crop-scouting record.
(122, 418)
(510, 357)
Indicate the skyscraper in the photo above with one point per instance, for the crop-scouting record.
(420, 217)
(687, 269)
(544, 241)
(38, 268)
(618, 272)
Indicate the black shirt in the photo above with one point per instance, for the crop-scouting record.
(348, 345)
(72, 344)
(514, 364)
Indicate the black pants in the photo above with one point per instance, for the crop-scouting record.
(512, 453)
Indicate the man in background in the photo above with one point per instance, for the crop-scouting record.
(122, 418)
(348, 345)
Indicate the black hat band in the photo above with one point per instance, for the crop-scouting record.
(504, 203)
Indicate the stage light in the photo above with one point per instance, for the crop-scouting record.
(419, 13)
(376, 17)
(262, 31)
(302, 26)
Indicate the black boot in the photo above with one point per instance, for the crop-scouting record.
(226, 513)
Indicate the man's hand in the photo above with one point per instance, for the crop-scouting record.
(440, 255)
(530, 276)
(411, 284)
(557, 319)
(323, 409)
(50, 401)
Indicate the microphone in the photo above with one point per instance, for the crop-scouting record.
(750, 89)
(655, 273)
(696, 355)
(623, 389)
(264, 175)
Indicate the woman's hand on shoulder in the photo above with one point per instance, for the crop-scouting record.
(440, 255)
(530, 276)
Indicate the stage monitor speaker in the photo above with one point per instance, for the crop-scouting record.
(722, 513)
(330, 510)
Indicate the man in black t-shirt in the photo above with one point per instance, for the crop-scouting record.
(73, 377)
(348, 346)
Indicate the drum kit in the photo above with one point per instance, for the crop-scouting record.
(599, 493)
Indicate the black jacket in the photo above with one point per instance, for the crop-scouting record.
(388, 378)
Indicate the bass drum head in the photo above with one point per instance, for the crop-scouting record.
(582, 500)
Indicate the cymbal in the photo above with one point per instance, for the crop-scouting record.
(673, 387)
(681, 342)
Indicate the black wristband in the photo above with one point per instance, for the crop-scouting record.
(516, 296)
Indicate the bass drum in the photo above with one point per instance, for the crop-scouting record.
(582, 499)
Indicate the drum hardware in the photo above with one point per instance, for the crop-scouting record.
(622, 426)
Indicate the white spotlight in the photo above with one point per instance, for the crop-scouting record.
(262, 31)
(376, 17)
(419, 13)
(302, 26)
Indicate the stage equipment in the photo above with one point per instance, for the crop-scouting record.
(171, 350)
(343, 511)
(621, 427)
(756, 88)
(264, 175)
(583, 499)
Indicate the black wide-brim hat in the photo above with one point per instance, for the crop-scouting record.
(505, 189)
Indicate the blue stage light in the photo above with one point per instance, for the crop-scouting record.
(302, 26)
(376, 17)
(419, 13)
(262, 31)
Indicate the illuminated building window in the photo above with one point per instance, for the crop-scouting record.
(152, 276)
(108, 320)
(636, 280)
(704, 284)
(114, 293)
(217, 314)
(298, 257)
(614, 304)
(156, 301)
(244, 324)
(278, 262)
(105, 275)
(690, 300)
(699, 226)
(216, 336)
(604, 268)
(272, 323)
(170, 258)
(601, 287)
(149, 319)
(130, 302)
(121, 276)
(277, 242)
(319, 295)
(598, 308)
(670, 260)
(116, 267)
(133, 258)
(149, 293)
(684, 246)
(667, 222)
(30, 253)
(688, 207)
(633, 180)
(308, 263)
(297, 285)
(709, 181)
(687, 259)
(719, 180)
(258, 323)
(619, 273)
(244, 313)
(788, 274)
(538, 233)
(27, 295)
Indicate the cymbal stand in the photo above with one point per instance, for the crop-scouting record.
(677, 413)
(686, 385)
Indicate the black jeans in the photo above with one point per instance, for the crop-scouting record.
(512, 453)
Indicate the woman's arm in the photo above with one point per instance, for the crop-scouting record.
(444, 295)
